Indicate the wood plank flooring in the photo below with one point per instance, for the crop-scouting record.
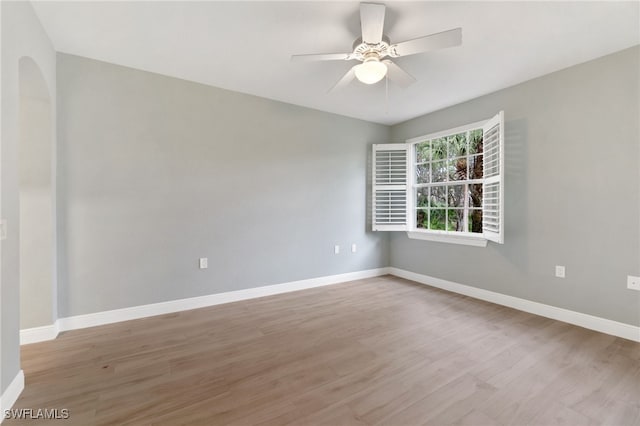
(380, 351)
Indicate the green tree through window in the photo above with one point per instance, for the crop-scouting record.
(448, 182)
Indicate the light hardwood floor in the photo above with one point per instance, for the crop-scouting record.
(377, 351)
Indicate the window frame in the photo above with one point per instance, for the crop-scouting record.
(413, 232)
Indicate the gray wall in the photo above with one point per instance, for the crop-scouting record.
(37, 245)
(22, 38)
(572, 191)
(156, 172)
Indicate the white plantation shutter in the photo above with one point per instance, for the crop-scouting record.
(390, 177)
(493, 179)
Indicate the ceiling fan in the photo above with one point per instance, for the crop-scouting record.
(374, 46)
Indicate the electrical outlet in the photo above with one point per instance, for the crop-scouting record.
(559, 271)
(204, 263)
(354, 248)
(633, 283)
(336, 249)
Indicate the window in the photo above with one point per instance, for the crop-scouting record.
(446, 186)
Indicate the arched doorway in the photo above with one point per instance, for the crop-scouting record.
(36, 184)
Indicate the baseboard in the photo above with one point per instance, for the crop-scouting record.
(591, 322)
(11, 394)
(39, 334)
(50, 332)
(603, 325)
(136, 312)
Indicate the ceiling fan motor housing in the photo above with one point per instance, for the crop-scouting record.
(363, 51)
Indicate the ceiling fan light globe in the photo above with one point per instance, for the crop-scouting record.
(370, 72)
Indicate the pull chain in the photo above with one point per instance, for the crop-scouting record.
(386, 94)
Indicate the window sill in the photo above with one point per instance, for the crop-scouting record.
(464, 239)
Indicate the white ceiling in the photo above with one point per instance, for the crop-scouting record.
(246, 46)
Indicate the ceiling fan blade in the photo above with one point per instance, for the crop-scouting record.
(321, 57)
(345, 80)
(372, 22)
(427, 43)
(398, 75)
